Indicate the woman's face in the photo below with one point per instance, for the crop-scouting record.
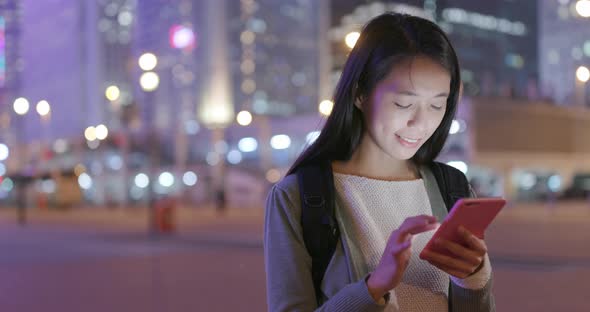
(406, 107)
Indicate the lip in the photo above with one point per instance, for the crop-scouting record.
(407, 144)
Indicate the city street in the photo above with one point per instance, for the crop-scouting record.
(103, 260)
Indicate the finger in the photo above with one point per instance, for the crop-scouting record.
(449, 270)
(461, 252)
(473, 241)
(455, 264)
(418, 224)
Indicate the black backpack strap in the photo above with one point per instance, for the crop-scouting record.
(452, 183)
(320, 230)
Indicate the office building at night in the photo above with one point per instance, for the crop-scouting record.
(564, 47)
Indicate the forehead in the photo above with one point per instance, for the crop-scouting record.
(419, 76)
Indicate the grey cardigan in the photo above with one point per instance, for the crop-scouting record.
(288, 265)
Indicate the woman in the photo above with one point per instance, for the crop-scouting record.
(393, 108)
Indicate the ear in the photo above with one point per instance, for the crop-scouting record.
(359, 102)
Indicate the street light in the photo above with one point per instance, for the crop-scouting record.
(149, 82)
(21, 106)
(583, 8)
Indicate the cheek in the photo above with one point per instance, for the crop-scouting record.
(435, 121)
(385, 117)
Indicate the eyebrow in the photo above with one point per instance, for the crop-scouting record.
(443, 94)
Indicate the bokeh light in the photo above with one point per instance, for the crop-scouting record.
(166, 179)
(247, 145)
(583, 74)
(43, 108)
(85, 181)
(351, 39)
(189, 178)
(244, 118)
(4, 152)
(141, 180)
(583, 8)
(112, 93)
(149, 81)
(90, 133)
(21, 106)
(280, 141)
(325, 107)
(148, 61)
(101, 132)
(455, 127)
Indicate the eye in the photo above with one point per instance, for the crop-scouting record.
(437, 107)
(401, 106)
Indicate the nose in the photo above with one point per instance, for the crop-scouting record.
(418, 119)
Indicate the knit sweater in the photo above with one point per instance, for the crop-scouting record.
(371, 210)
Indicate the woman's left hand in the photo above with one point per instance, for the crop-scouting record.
(466, 261)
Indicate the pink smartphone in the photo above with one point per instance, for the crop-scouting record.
(475, 214)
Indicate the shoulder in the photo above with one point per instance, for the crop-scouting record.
(283, 210)
(455, 174)
(288, 185)
(448, 170)
(283, 198)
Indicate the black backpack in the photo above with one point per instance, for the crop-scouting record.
(320, 229)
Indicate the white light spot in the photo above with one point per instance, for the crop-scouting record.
(554, 183)
(189, 178)
(85, 181)
(280, 141)
(4, 152)
(527, 180)
(142, 180)
(247, 145)
(455, 127)
(166, 179)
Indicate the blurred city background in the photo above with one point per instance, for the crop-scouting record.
(138, 140)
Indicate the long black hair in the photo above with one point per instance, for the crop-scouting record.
(385, 41)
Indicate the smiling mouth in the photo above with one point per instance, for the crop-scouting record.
(409, 140)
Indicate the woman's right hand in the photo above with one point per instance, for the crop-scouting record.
(390, 270)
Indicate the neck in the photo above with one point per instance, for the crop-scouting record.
(369, 161)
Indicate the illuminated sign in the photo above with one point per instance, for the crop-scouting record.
(487, 22)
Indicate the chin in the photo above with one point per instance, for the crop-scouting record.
(401, 155)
